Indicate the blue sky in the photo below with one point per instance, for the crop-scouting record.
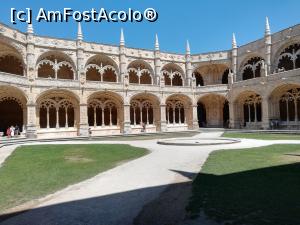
(207, 24)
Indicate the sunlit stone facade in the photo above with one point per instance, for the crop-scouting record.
(54, 87)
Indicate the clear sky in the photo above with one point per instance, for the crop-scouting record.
(207, 24)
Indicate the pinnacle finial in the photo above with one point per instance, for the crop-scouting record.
(267, 29)
(79, 32)
(156, 43)
(30, 28)
(188, 50)
(234, 45)
(122, 39)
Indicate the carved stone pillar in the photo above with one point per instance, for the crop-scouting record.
(163, 121)
(31, 120)
(195, 117)
(83, 124)
(232, 116)
(265, 114)
(127, 127)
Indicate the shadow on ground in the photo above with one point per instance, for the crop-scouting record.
(267, 196)
(115, 209)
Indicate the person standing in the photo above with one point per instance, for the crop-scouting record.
(17, 130)
(8, 132)
(12, 131)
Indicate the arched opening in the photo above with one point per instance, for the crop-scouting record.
(252, 68)
(167, 79)
(177, 80)
(284, 104)
(173, 75)
(133, 77)
(248, 110)
(145, 78)
(65, 71)
(109, 75)
(140, 72)
(92, 74)
(213, 111)
(210, 74)
(46, 70)
(225, 77)
(144, 113)
(289, 106)
(226, 114)
(11, 114)
(105, 113)
(56, 112)
(201, 113)
(55, 65)
(199, 79)
(101, 68)
(11, 64)
(289, 58)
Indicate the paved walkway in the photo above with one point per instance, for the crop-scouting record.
(116, 196)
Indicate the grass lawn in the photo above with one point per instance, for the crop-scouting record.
(258, 186)
(35, 171)
(262, 136)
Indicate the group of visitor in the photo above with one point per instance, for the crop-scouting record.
(12, 131)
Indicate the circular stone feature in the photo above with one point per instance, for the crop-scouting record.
(197, 141)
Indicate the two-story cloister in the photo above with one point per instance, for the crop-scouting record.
(54, 87)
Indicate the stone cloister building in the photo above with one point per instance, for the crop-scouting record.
(54, 87)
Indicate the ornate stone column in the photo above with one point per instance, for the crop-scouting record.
(163, 121)
(31, 120)
(127, 127)
(83, 124)
(232, 116)
(265, 113)
(195, 117)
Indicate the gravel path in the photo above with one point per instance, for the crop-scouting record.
(117, 196)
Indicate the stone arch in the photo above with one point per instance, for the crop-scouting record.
(57, 112)
(11, 61)
(140, 72)
(284, 103)
(216, 111)
(145, 109)
(55, 65)
(251, 67)
(287, 56)
(102, 68)
(173, 74)
(248, 110)
(179, 112)
(211, 73)
(105, 113)
(13, 109)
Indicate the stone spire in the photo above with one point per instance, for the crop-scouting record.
(79, 32)
(122, 39)
(267, 29)
(234, 45)
(30, 28)
(188, 50)
(156, 43)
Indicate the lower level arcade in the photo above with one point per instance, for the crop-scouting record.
(60, 113)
